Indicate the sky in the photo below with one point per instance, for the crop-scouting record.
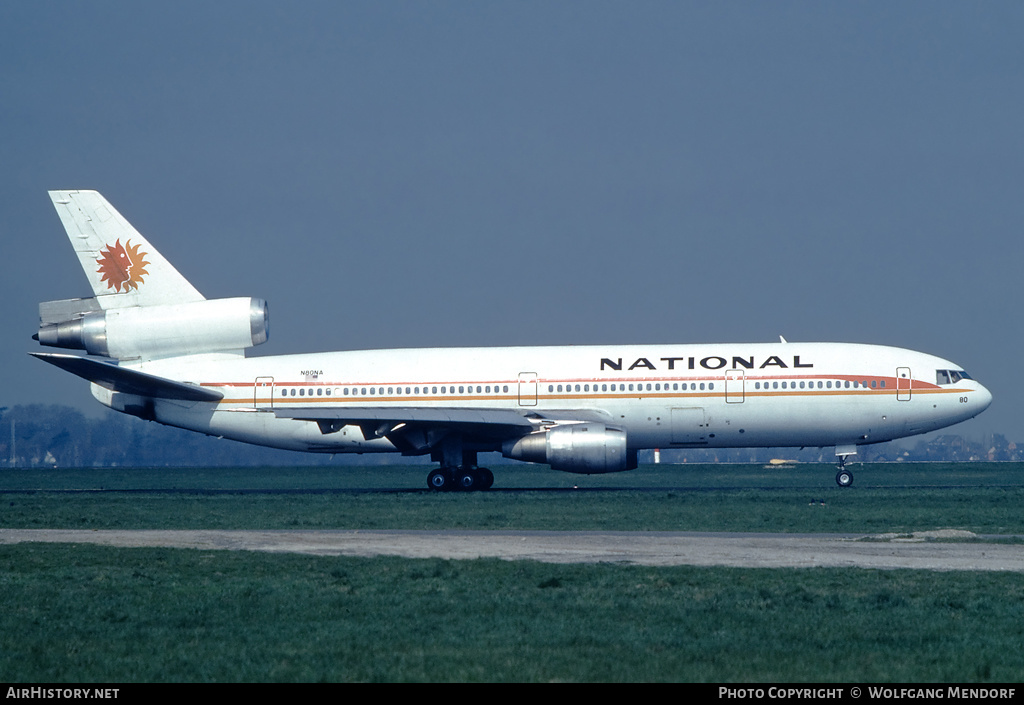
(414, 174)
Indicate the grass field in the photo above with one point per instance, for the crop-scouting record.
(985, 499)
(76, 613)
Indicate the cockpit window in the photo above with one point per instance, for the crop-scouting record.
(950, 376)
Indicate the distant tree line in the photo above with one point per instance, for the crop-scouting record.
(946, 448)
(60, 436)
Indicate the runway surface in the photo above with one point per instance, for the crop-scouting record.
(938, 550)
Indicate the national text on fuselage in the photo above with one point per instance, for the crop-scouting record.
(711, 362)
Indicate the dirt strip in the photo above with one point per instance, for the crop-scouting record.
(927, 551)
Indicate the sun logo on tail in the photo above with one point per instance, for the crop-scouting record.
(122, 266)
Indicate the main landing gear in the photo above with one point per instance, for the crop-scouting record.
(460, 479)
(458, 471)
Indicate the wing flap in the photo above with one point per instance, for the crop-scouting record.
(128, 381)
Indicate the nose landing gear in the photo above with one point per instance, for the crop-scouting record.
(844, 478)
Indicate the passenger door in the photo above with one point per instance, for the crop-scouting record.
(527, 389)
(263, 393)
(903, 384)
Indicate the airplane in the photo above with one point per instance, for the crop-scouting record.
(158, 349)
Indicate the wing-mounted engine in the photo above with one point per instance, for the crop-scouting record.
(585, 448)
(151, 332)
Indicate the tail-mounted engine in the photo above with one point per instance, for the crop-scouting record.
(586, 448)
(150, 332)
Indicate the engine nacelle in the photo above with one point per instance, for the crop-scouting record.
(586, 448)
(150, 332)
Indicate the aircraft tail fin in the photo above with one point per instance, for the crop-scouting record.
(142, 308)
(123, 269)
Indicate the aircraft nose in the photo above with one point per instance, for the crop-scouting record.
(981, 399)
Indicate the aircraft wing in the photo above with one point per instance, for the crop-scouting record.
(378, 422)
(417, 429)
(128, 381)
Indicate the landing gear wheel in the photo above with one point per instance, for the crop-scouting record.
(486, 478)
(844, 478)
(440, 480)
(466, 479)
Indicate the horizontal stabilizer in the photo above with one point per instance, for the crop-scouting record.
(128, 381)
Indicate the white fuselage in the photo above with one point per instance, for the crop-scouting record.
(158, 349)
(663, 396)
